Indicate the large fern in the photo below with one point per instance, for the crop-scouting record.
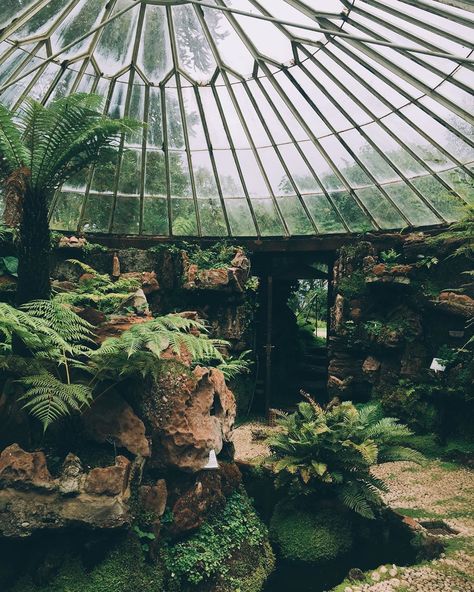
(330, 452)
(139, 350)
(57, 341)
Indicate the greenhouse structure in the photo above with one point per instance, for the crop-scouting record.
(236, 295)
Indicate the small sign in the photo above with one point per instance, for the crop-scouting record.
(437, 365)
(456, 334)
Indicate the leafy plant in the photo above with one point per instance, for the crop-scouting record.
(42, 147)
(426, 261)
(144, 537)
(461, 232)
(55, 340)
(98, 290)
(9, 266)
(139, 350)
(329, 452)
(232, 367)
(390, 257)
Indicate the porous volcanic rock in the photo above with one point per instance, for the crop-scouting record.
(31, 500)
(228, 279)
(20, 469)
(189, 415)
(210, 489)
(148, 280)
(111, 418)
(111, 481)
(153, 498)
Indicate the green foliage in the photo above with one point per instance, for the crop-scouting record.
(213, 257)
(330, 452)
(390, 257)
(204, 554)
(139, 350)
(144, 537)
(57, 141)
(233, 367)
(9, 266)
(98, 290)
(460, 233)
(56, 340)
(314, 535)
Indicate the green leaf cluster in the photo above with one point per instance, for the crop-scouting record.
(203, 555)
(330, 452)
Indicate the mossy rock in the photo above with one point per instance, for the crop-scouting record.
(123, 570)
(310, 535)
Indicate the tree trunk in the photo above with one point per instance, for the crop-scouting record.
(34, 249)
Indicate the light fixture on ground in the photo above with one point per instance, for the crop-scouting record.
(212, 462)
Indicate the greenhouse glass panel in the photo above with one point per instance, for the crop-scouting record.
(260, 117)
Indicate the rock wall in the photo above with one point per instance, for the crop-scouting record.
(398, 302)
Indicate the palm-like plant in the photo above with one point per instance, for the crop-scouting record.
(41, 148)
(329, 452)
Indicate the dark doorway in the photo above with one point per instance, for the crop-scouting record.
(292, 330)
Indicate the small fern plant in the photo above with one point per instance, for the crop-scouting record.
(329, 452)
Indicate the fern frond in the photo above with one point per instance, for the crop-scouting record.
(49, 399)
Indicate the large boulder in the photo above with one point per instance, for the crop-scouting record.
(190, 413)
(210, 489)
(32, 500)
(111, 418)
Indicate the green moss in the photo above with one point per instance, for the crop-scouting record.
(309, 535)
(249, 569)
(210, 554)
(123, 570)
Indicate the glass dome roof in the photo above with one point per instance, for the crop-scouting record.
(264, 117)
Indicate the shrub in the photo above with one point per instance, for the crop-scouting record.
(330, 452)
(309, 535)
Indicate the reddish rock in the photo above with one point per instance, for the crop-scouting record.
(147, 280)
(153, 498)
(63, 286)
(208, 492)
(110, 481)
(115, 326)
(379, 269)
(71, 242)
(20, 469)
(91, 315)
(370, 365)
(199, 417)
(457, 304)
(228, 279)
(401, 269)
(111, 418)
